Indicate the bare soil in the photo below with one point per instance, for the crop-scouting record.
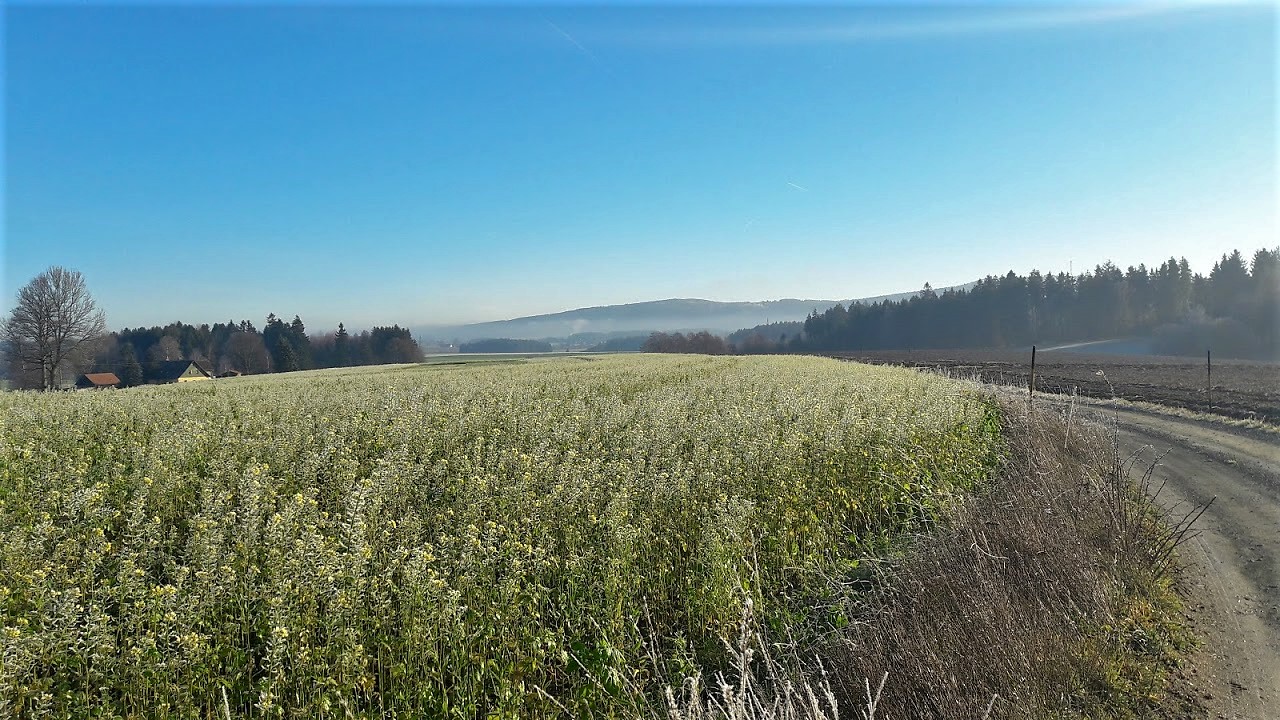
(1241, 389)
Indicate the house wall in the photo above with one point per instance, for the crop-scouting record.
(191, 375)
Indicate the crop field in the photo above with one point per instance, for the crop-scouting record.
(550, 537)
(1243, 389)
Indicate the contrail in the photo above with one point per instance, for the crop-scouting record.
(1002, 21)
(576, 44)
(798, 187)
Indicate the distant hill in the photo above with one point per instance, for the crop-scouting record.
(675, 315)
(634, 318)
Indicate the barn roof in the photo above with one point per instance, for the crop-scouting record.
(101, 378)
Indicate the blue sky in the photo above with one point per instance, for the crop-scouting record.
(431, 164)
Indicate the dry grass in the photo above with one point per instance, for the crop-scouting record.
(1046, 596)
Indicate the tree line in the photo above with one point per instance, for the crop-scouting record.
(700, 342)
(241, 347)
(56, 331)
(1233, 310)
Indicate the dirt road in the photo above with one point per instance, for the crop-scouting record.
(1234, 563)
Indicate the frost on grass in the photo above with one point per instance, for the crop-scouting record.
(518, 539)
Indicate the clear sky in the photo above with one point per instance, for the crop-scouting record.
(429, 164)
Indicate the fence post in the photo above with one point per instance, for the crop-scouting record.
(1031, 385)
(1208, 366)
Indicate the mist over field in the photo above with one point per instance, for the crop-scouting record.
(653, 316)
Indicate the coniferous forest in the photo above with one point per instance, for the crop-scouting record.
(1232, 310)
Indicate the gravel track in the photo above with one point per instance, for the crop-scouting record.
(1233, 564)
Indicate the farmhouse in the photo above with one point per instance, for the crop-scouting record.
(97, 381)
(176, 371)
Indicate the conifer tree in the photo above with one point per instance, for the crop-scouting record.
(286, 358)
(130, 368)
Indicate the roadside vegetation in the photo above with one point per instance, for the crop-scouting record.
(1048, 594)
(614, 536)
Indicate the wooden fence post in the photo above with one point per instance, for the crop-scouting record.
(1208, 366)
(1031, 386)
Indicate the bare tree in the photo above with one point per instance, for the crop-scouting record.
(167, 348)
(247, 353)
(56, 323)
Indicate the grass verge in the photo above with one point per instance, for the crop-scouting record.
(1048, 594)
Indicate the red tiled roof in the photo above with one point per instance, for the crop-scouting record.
(102, 378)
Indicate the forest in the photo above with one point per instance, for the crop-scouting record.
(240, 347)
(1232, 310)
(702, 343)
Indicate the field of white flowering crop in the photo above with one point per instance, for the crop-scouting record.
(429, 541)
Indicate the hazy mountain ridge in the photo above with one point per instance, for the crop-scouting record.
(671, 315)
